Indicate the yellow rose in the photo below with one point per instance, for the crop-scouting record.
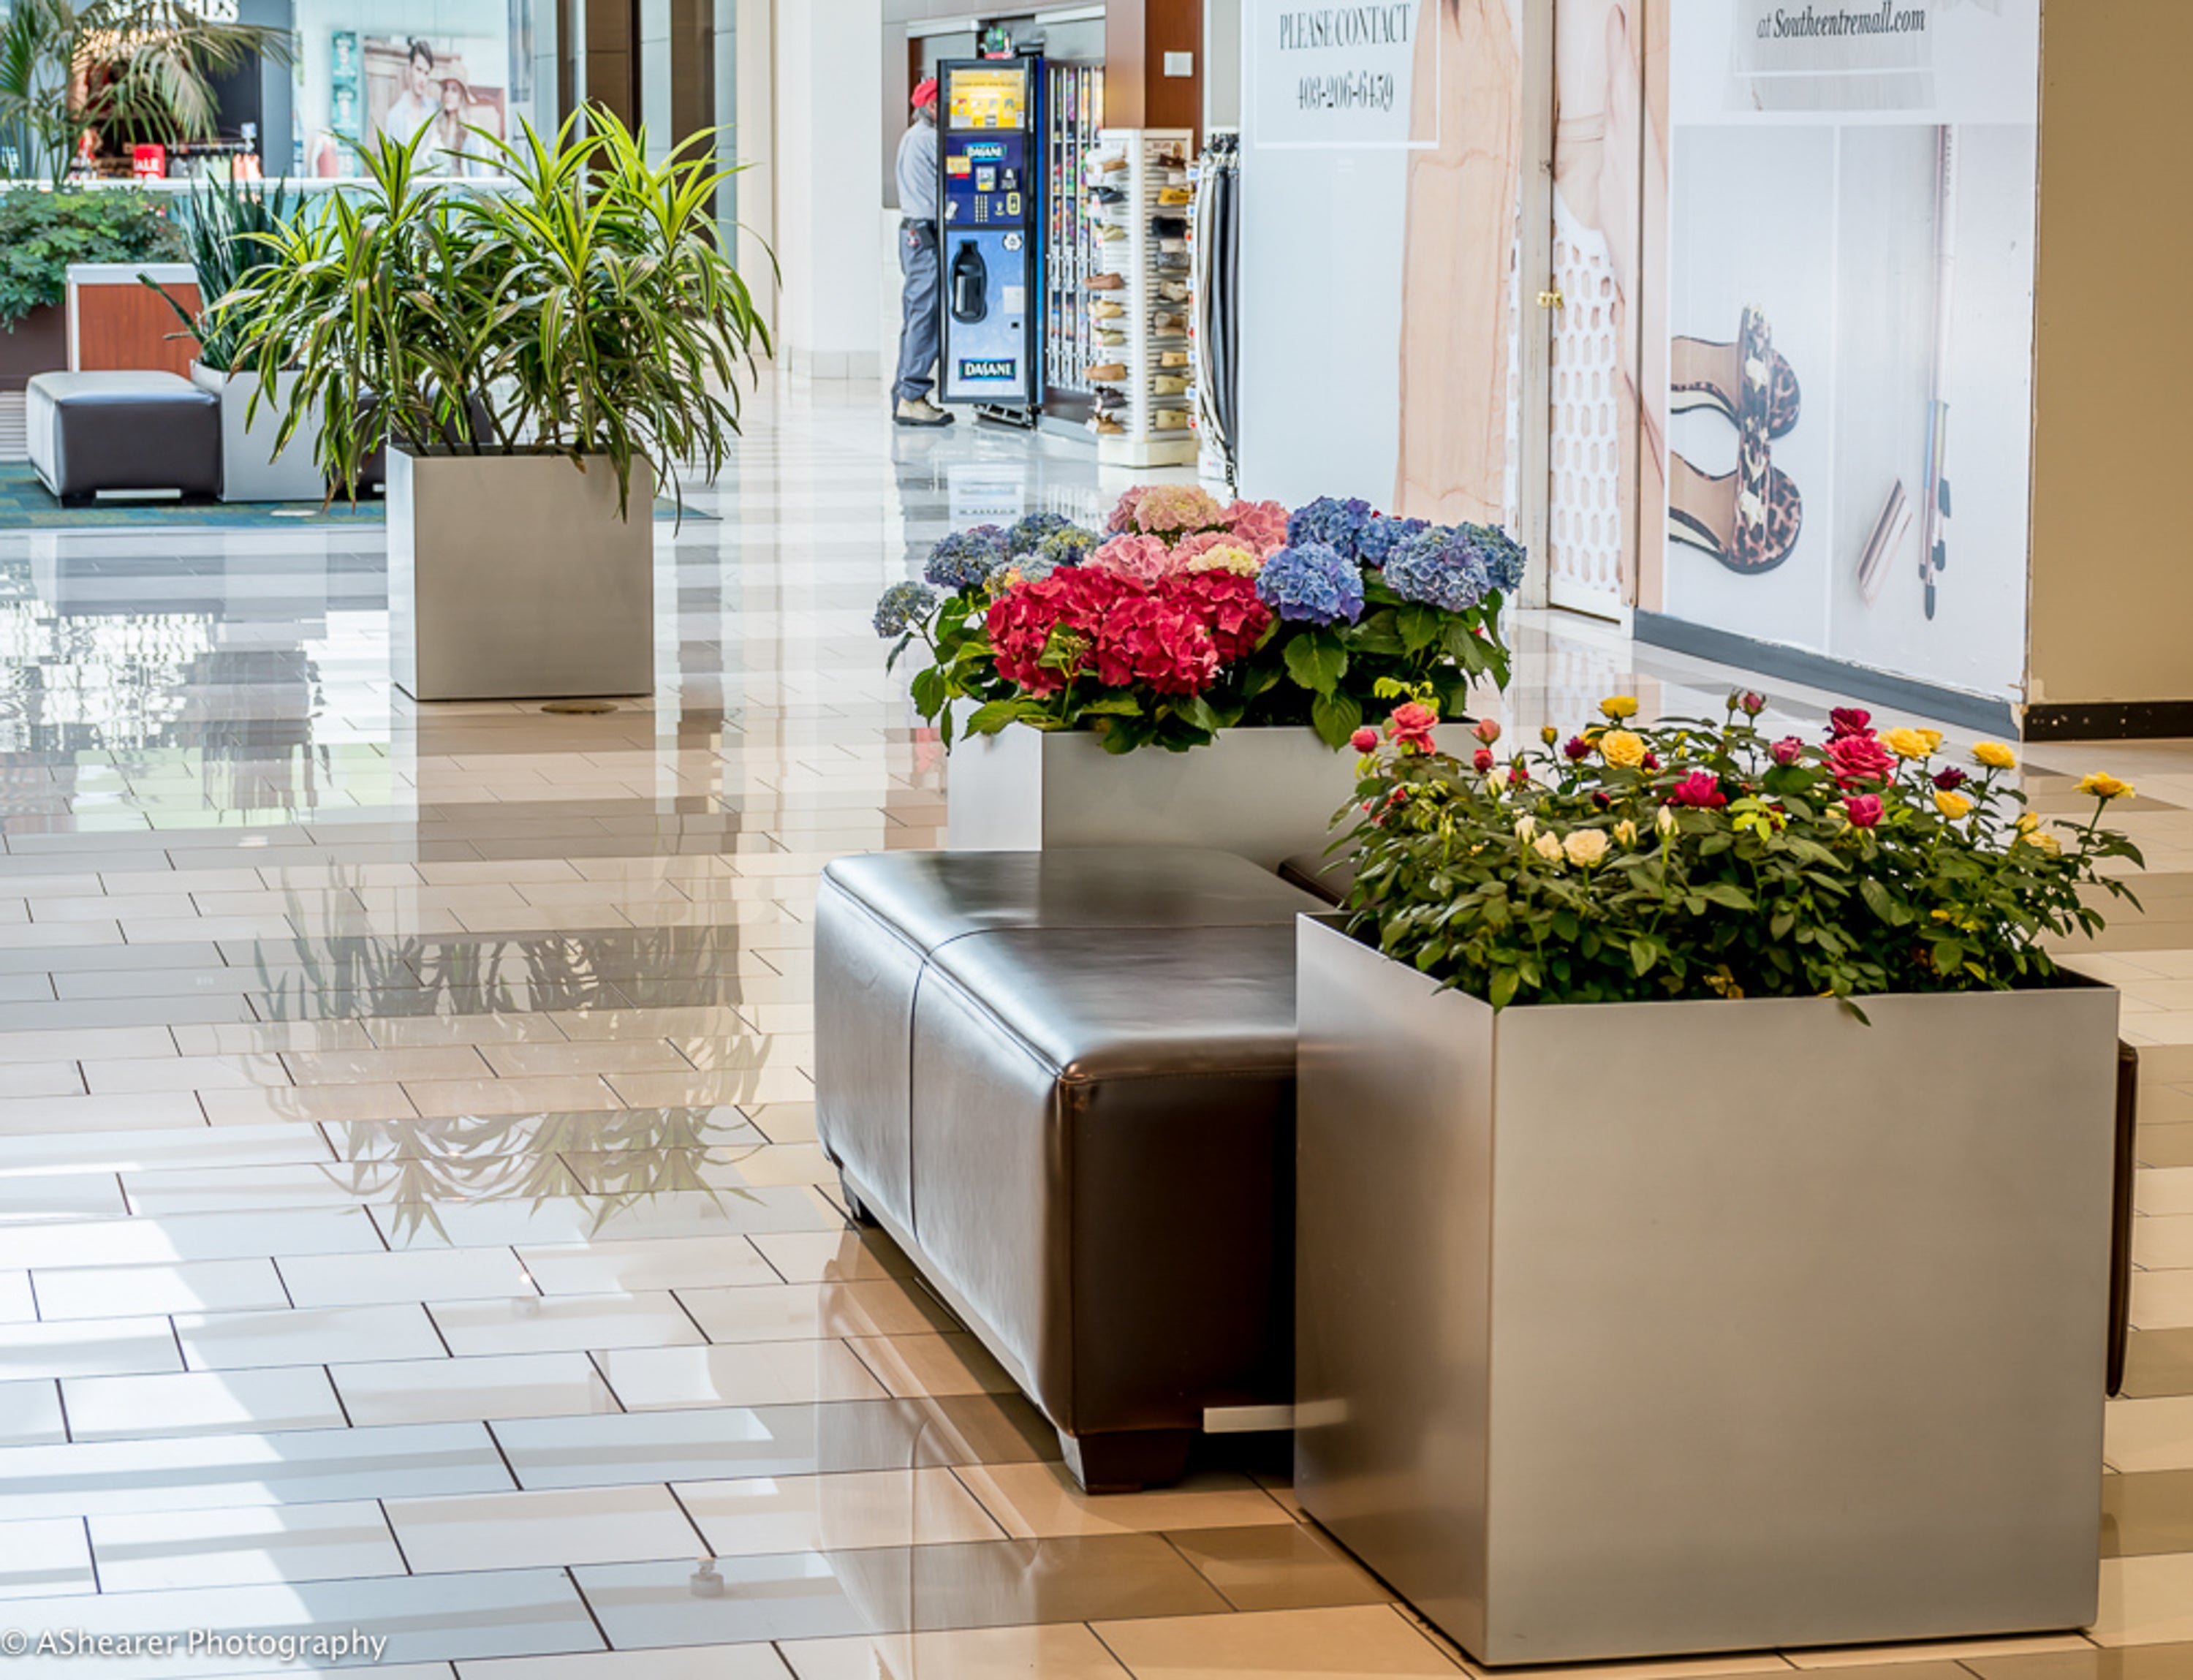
(1525, 827)
(2102, 786)
(1585, 847)
(1619, 706)
(1995, 755)
(1955, 806)
(2040, 842)
(1619, 747)
(1933, 739)
(1625, 832)
(1548, 848)
(1911, 743)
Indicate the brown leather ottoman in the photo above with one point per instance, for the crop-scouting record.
(1063, 1083)
(90, 431)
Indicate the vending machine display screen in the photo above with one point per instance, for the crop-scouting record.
(989, 96)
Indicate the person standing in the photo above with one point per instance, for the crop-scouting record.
(417, 101)
(917, 261)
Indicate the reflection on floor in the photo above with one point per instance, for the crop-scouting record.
(409, 1214)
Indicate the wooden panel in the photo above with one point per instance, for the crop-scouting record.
(127, 328)
(1137, 93)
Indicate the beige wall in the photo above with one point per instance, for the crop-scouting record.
(2112, 578)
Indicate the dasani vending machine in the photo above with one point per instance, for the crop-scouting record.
(992, 231)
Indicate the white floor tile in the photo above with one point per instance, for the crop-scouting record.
(669, 1262)
(421, 1274)
(201, 1402)
(518, 1531)
(45, 1559)
(188, 1286)
(565, 1324)
(147, 1551)
(236, 1341)
(833, 1513)
(450, 1390)
(759, 1374)
(91, 1348)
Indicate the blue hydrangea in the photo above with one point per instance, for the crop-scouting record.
(1504, 557)
(1439, 566)
(1312, 582)
(1338, 524)
(902, 607)
(1027, 568)
(964, 560)
(1381, 534)
(1068, 545)
(1029, 531)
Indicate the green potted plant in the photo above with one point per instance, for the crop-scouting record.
(1244, 640)
(40, 234)
(1707, 1175)
(533, 360)
(235, 230)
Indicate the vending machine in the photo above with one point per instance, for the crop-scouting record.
(991, 151)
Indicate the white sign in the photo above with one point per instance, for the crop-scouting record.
(1337, 76)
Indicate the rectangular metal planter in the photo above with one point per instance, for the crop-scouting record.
(512, 578)
(251, 470)
(1266, 794)
(1631, 1330)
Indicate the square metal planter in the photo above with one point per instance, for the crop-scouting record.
(1266, 794)
(251, 469)
(513, 577)
(1632, 1330)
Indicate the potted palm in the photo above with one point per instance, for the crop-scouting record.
(234, 232)
(1189, 676)
(533, 360)
(1705, 1234)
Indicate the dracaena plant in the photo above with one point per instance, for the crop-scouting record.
(1697, 859)
(588, 311)
(234, 232)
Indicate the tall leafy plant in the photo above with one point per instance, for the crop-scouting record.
(234, 232)
(129, 66)
(587, 312)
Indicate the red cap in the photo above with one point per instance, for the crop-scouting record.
(925, 92)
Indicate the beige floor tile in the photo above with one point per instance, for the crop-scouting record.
(2148, 1434)
(2160, 1300)
(740, 1086)
(2131, 1662)
(1039, 1501)
(513, 1061)
(385, 1067)
(1275, 1567)
(753, 1516)
(790, 1312)
(268, 1038)
(1053, 1653)
(1354, 1643)
(812, 1256)
(306, 1102)
(183, 1073)
(1842, 1660)
(952, 1362)
(2146, 1601)
(460, 1096)
(419, 1032)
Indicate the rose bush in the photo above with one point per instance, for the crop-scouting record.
(1697, 859)
(1186, 617)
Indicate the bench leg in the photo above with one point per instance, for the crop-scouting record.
(1129, 1460)
(861, 1214)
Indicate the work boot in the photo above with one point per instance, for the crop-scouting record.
(920, 411)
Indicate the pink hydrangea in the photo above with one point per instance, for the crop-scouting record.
(1145, 558)
(1261, 526)
(1218, 550)
(1171, 510)
(1123, 512)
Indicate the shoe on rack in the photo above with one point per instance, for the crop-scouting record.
(1105, 310)
(1168, 228)
(1748, 378)
(1106, 282)
(1173, 195)
(1101, 370)
(1168, 321)
(1111, 164)
(1172, 291)
(1105, 427)
(1108, 195)
(1172, 359)
(919, 411)
(1168, 385)
(1109, 339)
(1169, 420)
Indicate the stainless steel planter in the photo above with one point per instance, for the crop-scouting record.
(512, 577)
(1632, 1330)
(251, 470)
(1266, 794)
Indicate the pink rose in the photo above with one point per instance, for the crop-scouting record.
(1787, 750)
(1863, 810)
(1752, 704)
(1700, 790)
(1481, 761)
(1364, 740)
(1486, 730)
(1413, 726)
(1852, 759)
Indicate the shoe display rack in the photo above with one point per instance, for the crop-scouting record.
(1077, 108)
(1140, 298)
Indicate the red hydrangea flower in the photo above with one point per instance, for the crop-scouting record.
(1227, 604)
(1146, 639)
(1700, 790)
(1854, 759)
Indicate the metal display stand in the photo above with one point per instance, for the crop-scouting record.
(1145, 341)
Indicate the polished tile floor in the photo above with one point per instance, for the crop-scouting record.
(410, 1219)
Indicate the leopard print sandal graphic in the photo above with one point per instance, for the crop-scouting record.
(1748, 519)
(1748, 381)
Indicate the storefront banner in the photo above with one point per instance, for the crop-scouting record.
(1335, 76)
(1851, 315)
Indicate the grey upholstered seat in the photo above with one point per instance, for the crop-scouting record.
(90, 431)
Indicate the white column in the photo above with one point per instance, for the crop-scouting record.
(828, 187)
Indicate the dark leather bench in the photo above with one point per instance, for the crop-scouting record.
(90, 431)
(1063, 1083)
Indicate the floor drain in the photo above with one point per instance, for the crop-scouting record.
(579, 708)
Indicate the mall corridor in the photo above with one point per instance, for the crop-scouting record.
(410, 1215)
